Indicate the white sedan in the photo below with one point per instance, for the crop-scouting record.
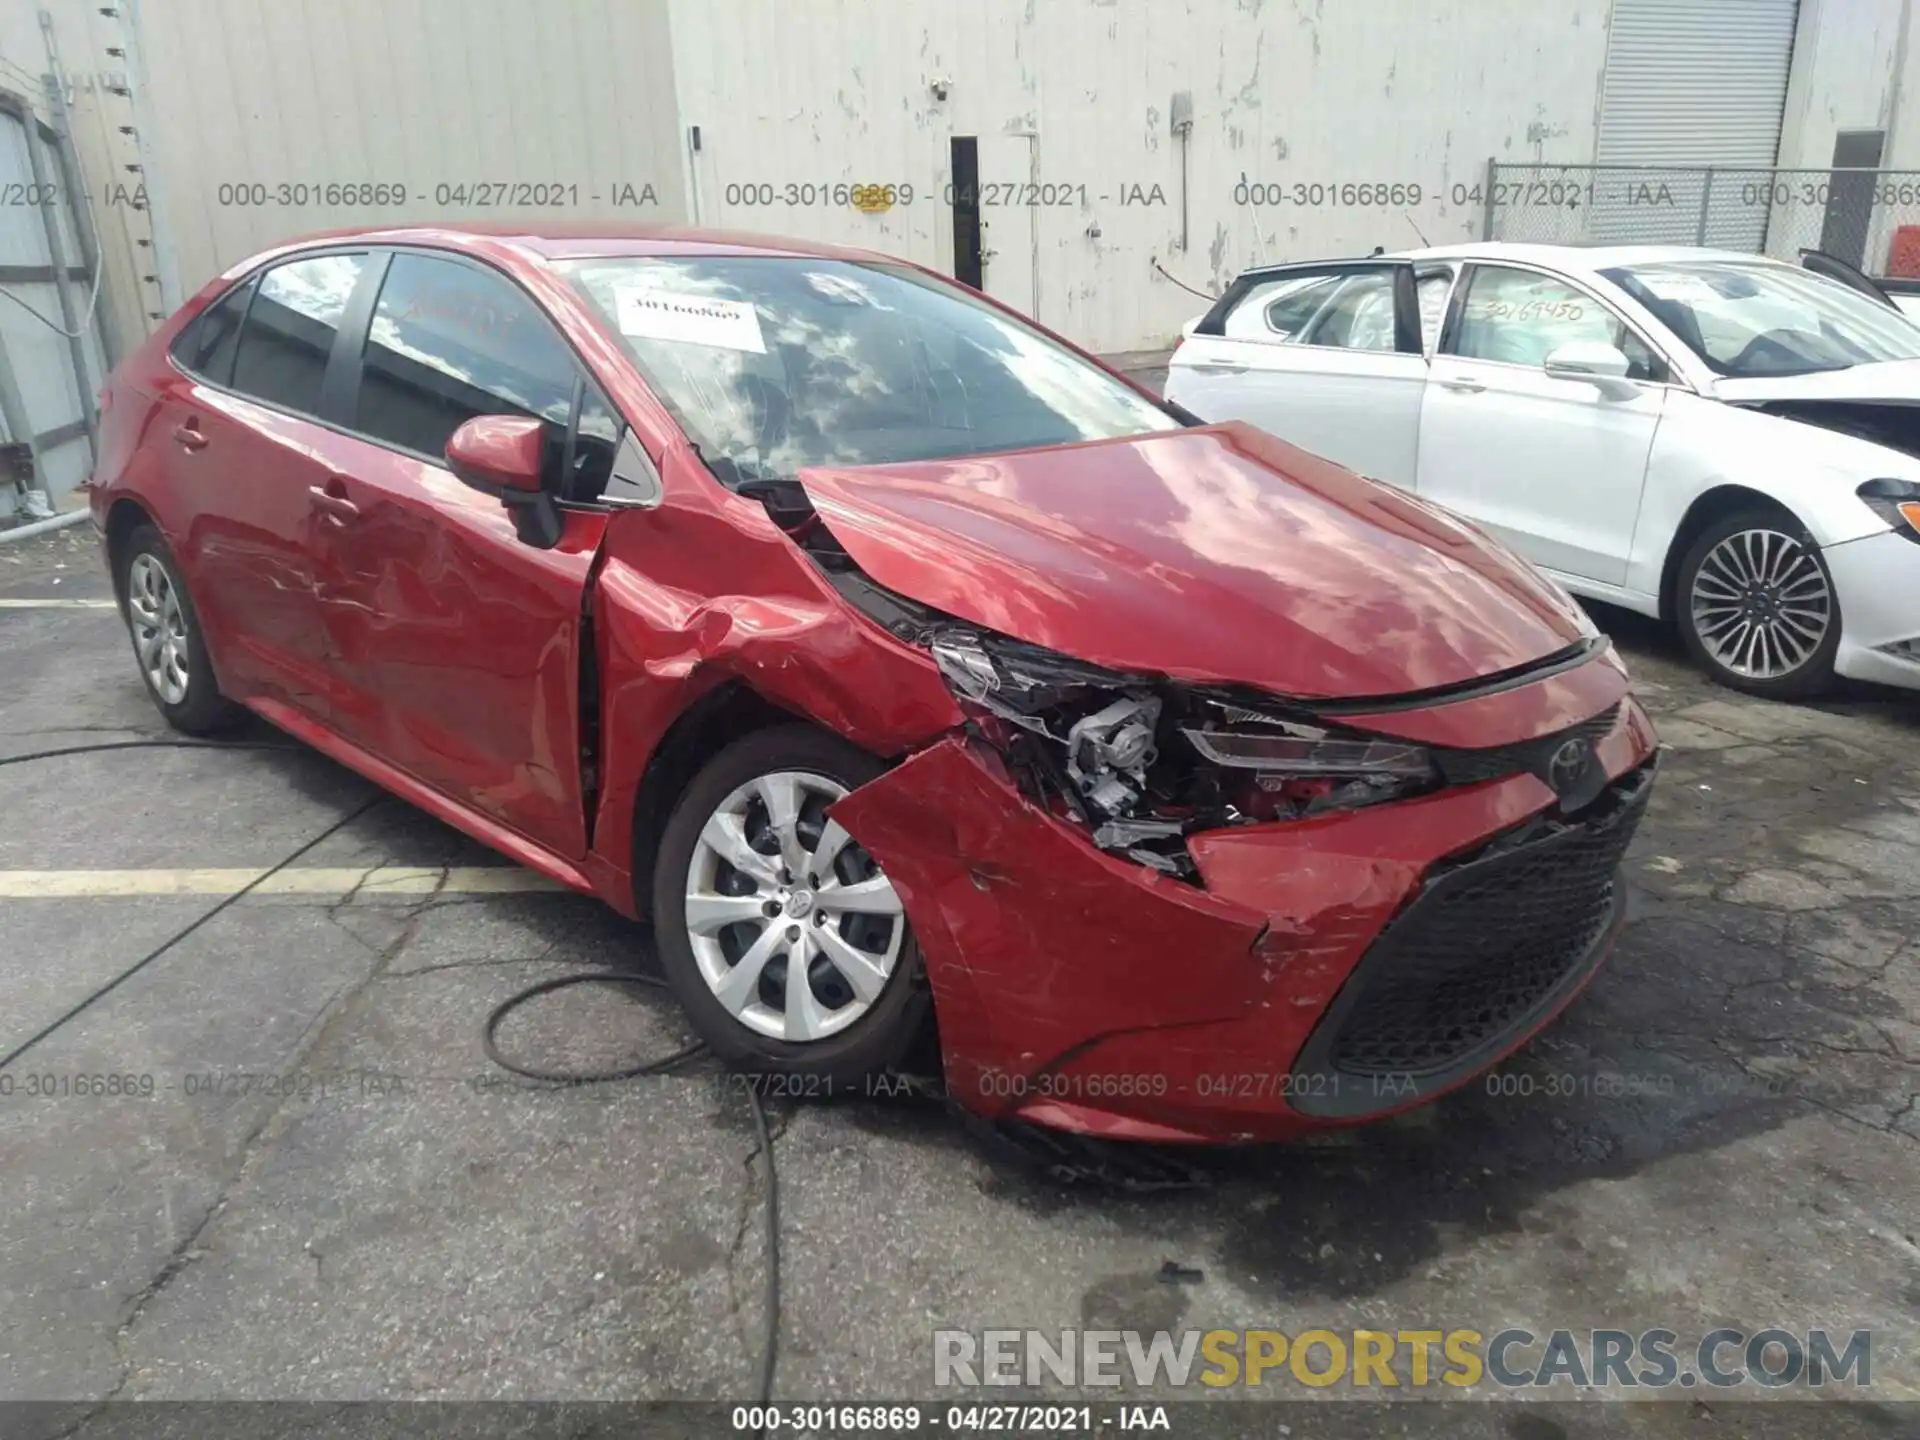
(1726, 441)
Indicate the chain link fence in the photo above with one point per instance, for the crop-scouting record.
(1868, 218)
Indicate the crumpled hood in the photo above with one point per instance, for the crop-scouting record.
(1209, 554)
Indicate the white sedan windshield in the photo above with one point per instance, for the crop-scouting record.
(771, 364)
(1753, 320)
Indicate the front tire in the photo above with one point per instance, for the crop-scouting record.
(1756, 606)
(783, 939)
(167, 639)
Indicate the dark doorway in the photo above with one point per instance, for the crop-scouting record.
(966, 211)
(1843, 233)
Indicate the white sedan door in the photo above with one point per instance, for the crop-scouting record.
(1553, 466)
(1327, 357)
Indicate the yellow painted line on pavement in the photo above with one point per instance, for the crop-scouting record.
(297, 880)
(10, 604)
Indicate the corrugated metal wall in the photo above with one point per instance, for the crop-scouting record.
(256, 103)
(1321, 109)
(1286, 94)
(272, 120)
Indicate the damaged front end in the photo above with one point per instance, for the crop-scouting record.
(1118, 876)
(1142, 762)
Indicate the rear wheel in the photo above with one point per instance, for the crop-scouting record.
(784, 940)
(1756, 606)
(167, 640)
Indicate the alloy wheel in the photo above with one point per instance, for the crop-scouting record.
(159, 627)
(793, 926)
(1760, 603)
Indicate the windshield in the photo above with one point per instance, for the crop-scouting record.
(771, 364)
(1749, 320)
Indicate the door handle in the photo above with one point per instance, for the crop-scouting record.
(1465, 384)
(1217, 367)
(188, 434)
(334, 506)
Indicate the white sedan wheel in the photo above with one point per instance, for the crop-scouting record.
(1760, 604)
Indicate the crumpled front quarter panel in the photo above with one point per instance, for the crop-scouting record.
(706, 589)
(1033, 940)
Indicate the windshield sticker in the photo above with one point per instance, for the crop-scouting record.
(649, 314)
(1681, 288)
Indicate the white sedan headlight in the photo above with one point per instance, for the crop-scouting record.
(1895, 501)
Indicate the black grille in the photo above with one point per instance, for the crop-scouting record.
(1491, 943)
(1533, 757)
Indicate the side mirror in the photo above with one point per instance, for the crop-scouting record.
(1186, 330)
(499, 455)
(1600, 364)
(497, 452)
(1587, 360)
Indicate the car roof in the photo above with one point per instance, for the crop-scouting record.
(1579, 259)
(569, 240)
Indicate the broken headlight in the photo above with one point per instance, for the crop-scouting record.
(1895, 501)
(1142, 761)
(1289, 749)
(1298, 769)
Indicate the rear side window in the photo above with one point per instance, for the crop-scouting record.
(206, 347)
(1340, 307)
(288, 337)
(1353, 312)
(448, 342)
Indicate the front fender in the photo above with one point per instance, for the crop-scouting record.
(1705, 444)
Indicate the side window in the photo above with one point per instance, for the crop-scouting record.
(1291, 311)
(1345, 309)
(1643, 362)
(1360, 317)
(284, 346)
(207, 346)
(596, 440)
(1433, 289)
(449, 341)
(1520, 317)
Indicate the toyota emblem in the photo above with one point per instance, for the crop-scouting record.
(1568, 765)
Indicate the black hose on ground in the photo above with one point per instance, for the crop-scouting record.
(101, 992)
(770, 1185)
(769, 1352)
(150, 745)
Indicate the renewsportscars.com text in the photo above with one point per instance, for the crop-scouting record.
(1459, 1358)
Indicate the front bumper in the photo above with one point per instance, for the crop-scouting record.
(1877, 582)
(1078, 990)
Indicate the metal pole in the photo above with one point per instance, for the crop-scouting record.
(70, 318)
(1706, 197)
(1033, 218)
(1183, 192)
(1486, 219)
(80, 200)
(13, 411)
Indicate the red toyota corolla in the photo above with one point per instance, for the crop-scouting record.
(901, 661)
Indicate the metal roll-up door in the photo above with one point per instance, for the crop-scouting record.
(1691, 83)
